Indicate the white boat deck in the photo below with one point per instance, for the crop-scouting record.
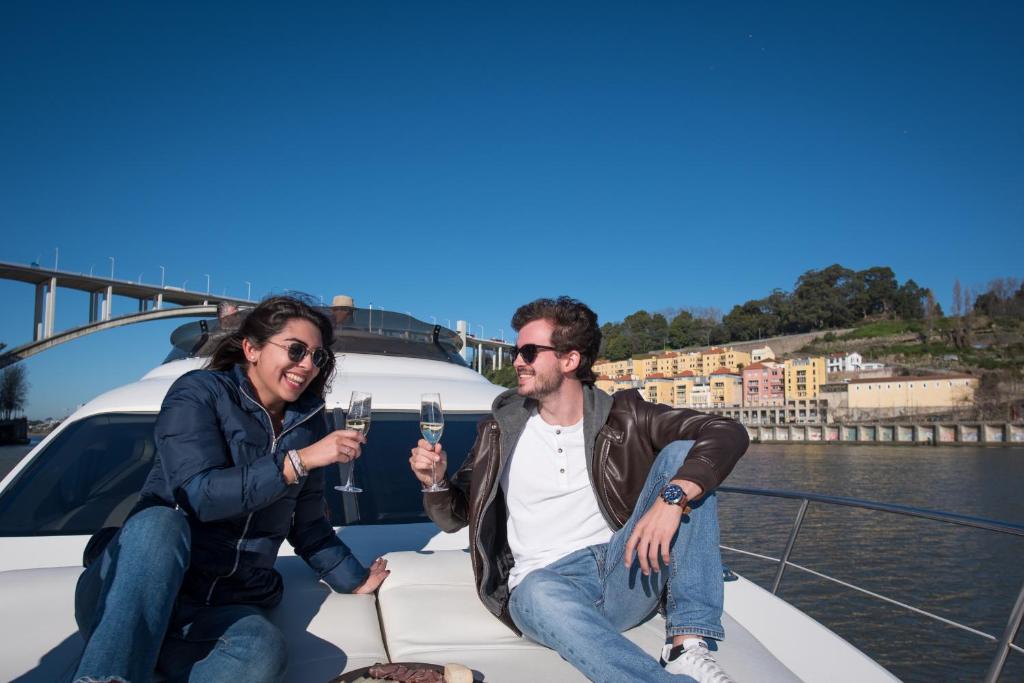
(428, 610)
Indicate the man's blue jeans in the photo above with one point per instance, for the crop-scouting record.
(580, 604)
(127, 608)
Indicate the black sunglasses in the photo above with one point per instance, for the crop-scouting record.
(297, 351)
(529, 352)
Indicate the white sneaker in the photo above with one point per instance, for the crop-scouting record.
(696, 662)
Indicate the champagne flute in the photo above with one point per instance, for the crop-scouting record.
(431, 427)
(358, 420)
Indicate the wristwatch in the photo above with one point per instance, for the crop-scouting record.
(673, 495)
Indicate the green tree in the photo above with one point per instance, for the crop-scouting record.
(646, 332)
(911, 301)
(820, 299)
(505, 377)
(880, 290)
(685, 330)
(13, 390)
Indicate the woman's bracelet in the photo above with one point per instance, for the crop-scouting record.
(300, 470)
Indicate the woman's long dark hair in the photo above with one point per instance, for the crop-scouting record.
(266, 320)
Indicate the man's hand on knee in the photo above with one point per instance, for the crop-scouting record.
(652, 537)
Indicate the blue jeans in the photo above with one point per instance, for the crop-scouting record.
(127, 608)
(580, 604)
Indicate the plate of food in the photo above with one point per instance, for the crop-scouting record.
(410, 672)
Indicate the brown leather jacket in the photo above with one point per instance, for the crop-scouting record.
(622, 435)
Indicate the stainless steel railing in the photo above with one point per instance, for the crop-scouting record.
(1013, 624)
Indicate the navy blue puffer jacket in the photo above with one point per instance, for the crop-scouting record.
(219, 461)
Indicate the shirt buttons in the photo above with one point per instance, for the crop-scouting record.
(559, 450)
(562, 470)
(558, 431)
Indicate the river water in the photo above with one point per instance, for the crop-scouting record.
(966, 575)
(969, 576)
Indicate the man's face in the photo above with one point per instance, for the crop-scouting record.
(544, 375)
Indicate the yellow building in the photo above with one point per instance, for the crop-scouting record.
(613, 368)
(804, 377)
(912, 394)
(667, 363)
(726, 389)
(691, 391)
(610, 385)
(688, 362)
(730, 359)
(659, 388)
(644, 365)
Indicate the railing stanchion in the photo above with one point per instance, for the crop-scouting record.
(789, 545)
(1003, 649)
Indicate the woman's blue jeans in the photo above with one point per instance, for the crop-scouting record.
(580, 604)
(127, 608)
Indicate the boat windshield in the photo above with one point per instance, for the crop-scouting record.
(90, 475)
(356, 330)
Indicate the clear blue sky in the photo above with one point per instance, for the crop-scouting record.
(457, 159)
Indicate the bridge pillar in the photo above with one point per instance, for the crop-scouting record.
(94, 306)
(461, 326)
(38, 329)
(108, 296)
(501, 352)
(158, 301)
(143, 305)
(51, 307)
(480, 358)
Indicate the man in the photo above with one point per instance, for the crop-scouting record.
(585, 508)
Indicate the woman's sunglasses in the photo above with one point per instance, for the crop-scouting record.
(529, 352)
(297, 351)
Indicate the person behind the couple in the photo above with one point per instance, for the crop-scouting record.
(183, 586)
(585, 509)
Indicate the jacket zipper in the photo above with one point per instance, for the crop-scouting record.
(490, 480)
(273, 447)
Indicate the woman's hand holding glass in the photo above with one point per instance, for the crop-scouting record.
(340, 446)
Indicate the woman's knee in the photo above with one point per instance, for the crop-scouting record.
(261, 645)
(158, 532)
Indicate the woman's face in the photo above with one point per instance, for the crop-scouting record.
(278, 379)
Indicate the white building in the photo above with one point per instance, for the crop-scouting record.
(845, 362)
(763, 353)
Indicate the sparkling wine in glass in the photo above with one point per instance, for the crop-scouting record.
(358, 420)
(431, 427)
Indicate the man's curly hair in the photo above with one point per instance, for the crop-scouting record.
(575, 329)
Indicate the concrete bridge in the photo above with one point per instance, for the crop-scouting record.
(152, 299)
(39, 345)
(101, 291)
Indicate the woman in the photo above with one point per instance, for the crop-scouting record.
(184, 586)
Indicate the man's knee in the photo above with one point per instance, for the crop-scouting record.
(538, 596)
(671, 457)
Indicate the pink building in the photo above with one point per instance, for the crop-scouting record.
(764, 384)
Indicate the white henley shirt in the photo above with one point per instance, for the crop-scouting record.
(552, 508)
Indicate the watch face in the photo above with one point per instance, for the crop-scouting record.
(672, 494)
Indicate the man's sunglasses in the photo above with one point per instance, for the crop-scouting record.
(297, 351)
(529, 352)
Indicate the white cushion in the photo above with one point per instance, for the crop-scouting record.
(327, 633)
(430, 612)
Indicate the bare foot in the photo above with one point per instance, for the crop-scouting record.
(378, 572)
